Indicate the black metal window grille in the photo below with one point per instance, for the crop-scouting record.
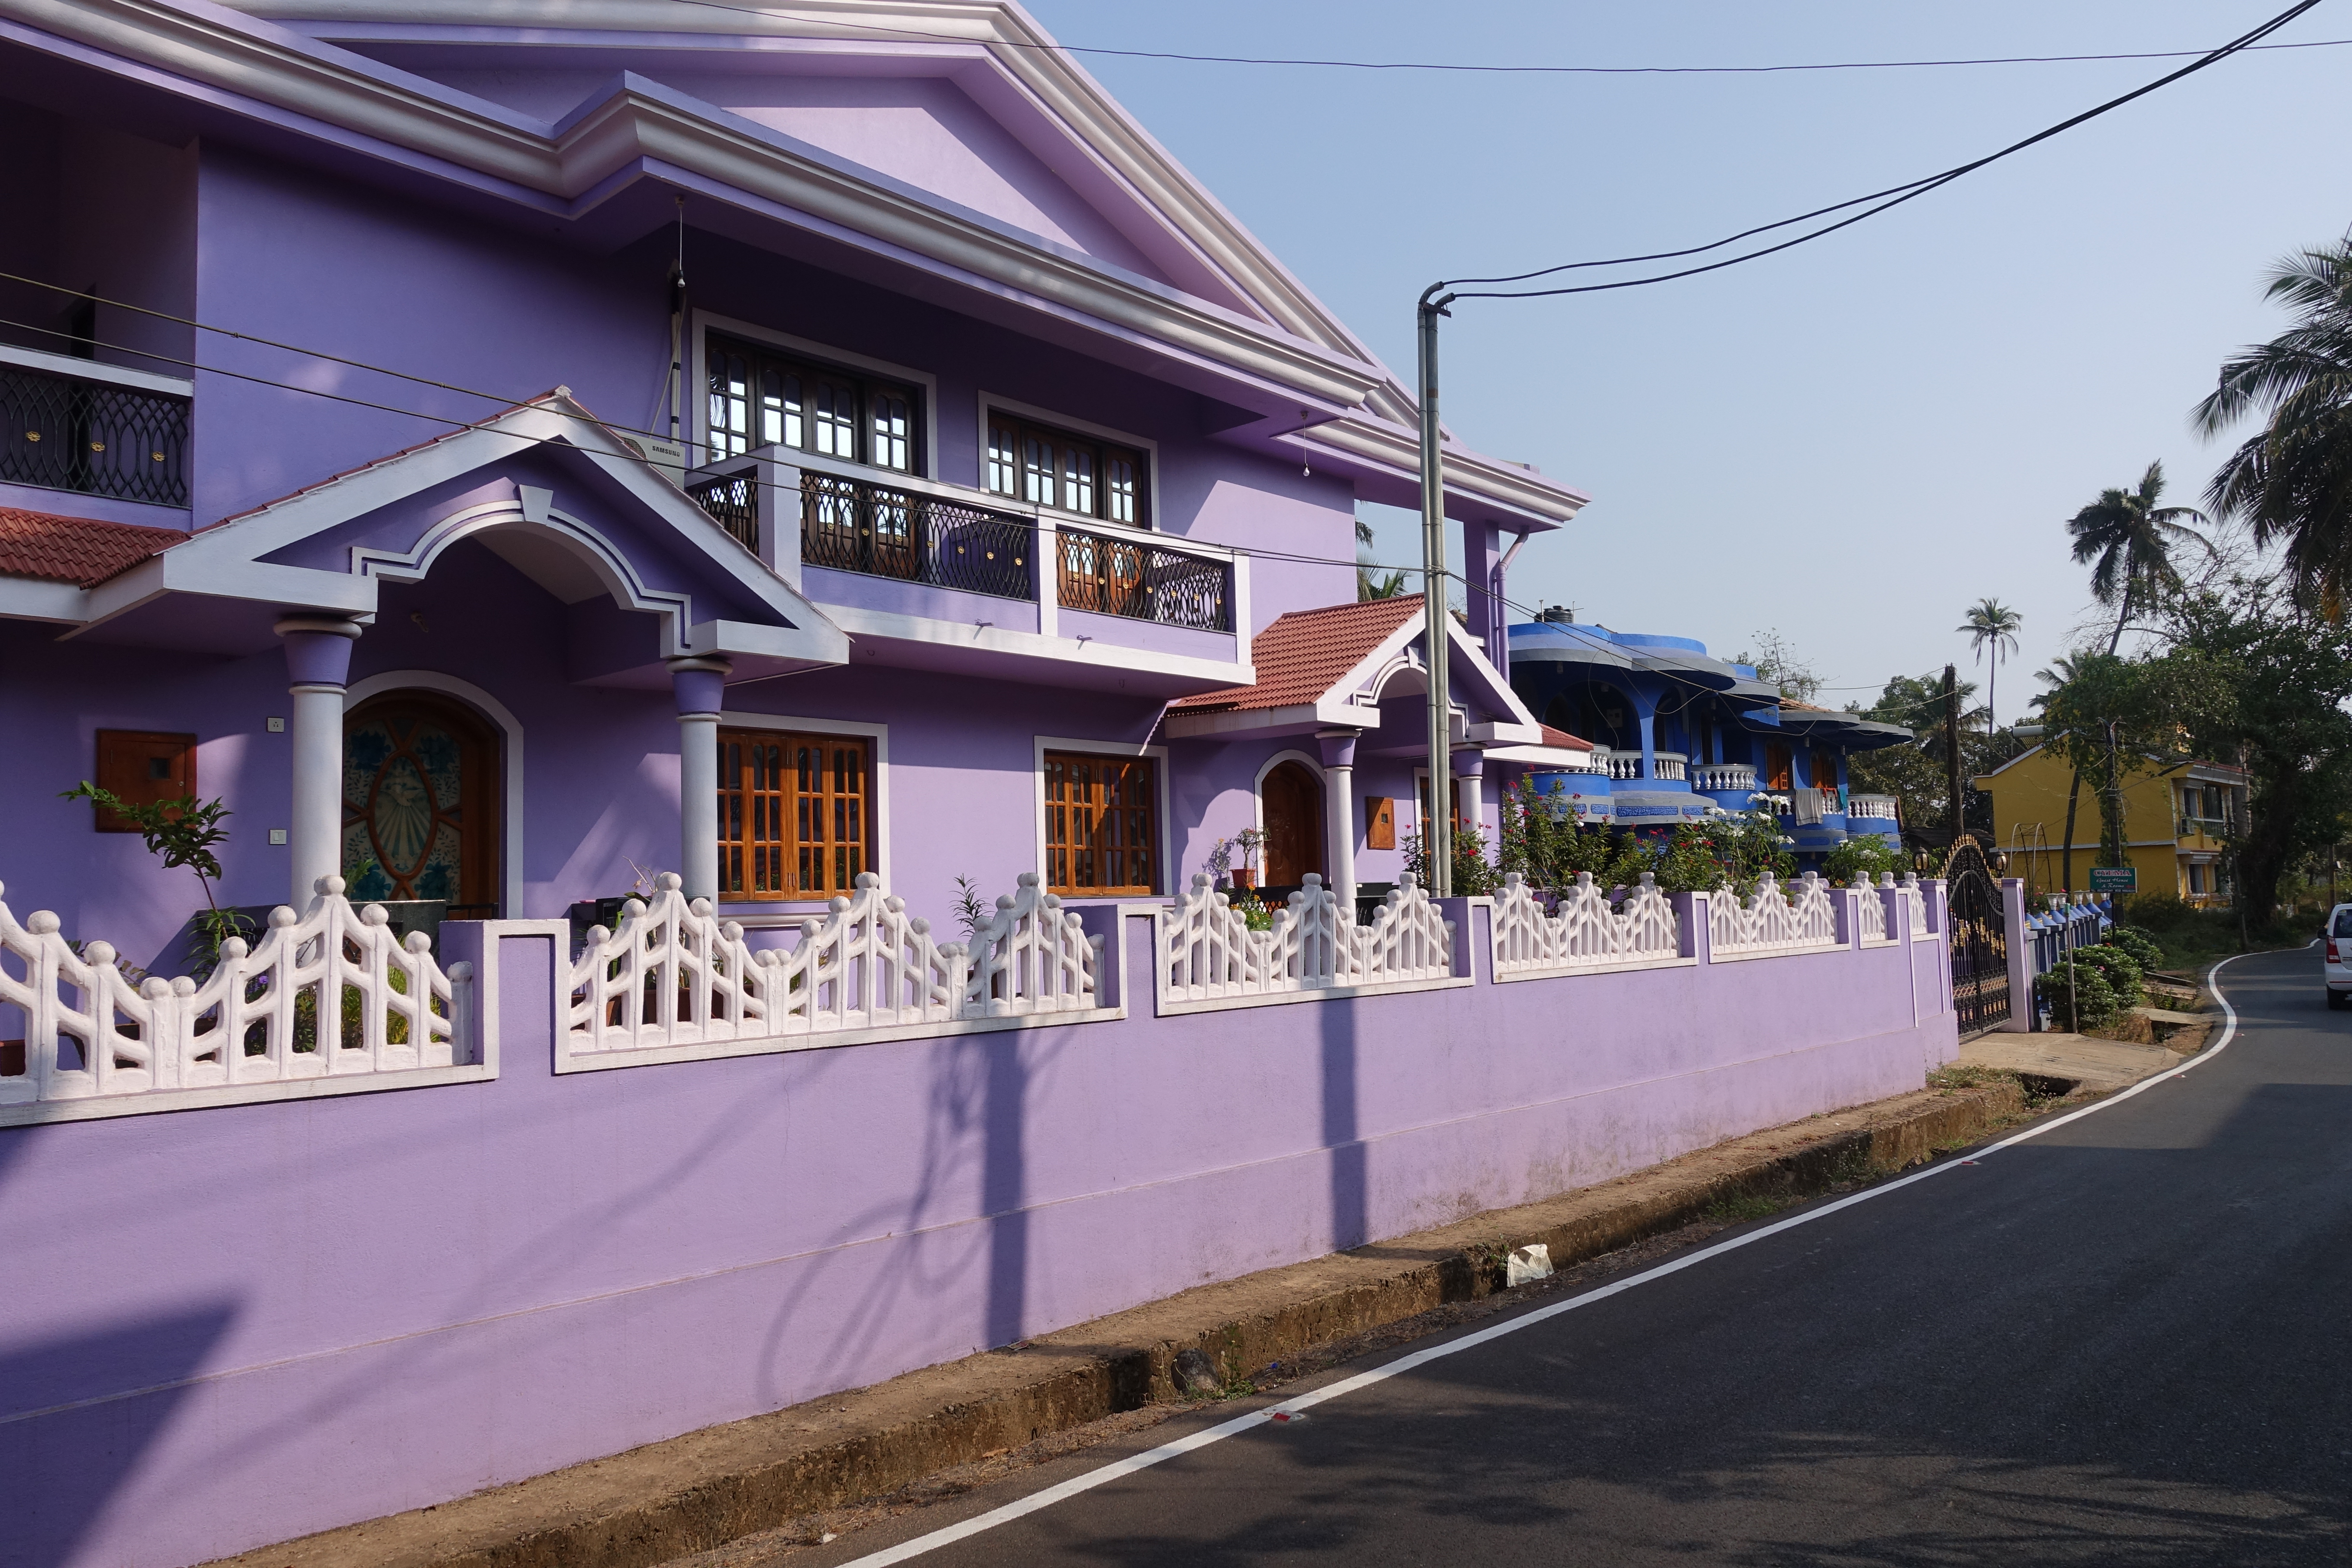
(734, 501)
(1138, 579)
(92, 438)
(851, 526)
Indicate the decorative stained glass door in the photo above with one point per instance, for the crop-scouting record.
(419, 815)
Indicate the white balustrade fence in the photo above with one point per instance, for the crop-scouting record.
(1585, 931)
(1869, 908)
(1208, 955)
(1769, 919)
(674, 979)
(1914, 899)
(327, 995)
(1619, 764)
(1034, 956)
(1712, 778)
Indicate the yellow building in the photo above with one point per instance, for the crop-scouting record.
(2176, 817)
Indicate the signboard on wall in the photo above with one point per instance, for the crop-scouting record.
(2115, 879)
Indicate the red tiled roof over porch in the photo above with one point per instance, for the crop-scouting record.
(79, 550)
(1302, 655)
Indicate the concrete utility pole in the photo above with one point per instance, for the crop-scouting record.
(1952, 743)
(1437, 826)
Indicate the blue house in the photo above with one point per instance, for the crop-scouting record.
(1679, 736)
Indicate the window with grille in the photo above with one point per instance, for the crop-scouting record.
(796, 814)
(1045, 466)
(1101, 825)
(762, 399)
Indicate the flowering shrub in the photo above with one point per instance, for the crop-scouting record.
(2077, 995)
(1862, 857)
(2115, 967)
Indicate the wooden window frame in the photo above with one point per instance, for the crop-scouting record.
(114, 768)
(1780, 769)
(766, 848)
(1063, 855)
(1009, 440)
(869, 391)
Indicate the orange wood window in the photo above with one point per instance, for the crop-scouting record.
(1101, 825)
(141, 768)
(1825, 771)
(796, 814)
(1779, 768)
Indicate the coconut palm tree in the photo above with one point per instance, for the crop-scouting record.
(2128, 540)
(1991, 624)
(2293, 481)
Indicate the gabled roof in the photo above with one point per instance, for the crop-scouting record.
(1304, 654)
(1329, 665)
(318, 69)
(564, 482)
(82, 551)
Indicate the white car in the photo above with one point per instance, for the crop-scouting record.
(2338, 964)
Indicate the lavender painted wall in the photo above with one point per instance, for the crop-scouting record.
(347, 1307)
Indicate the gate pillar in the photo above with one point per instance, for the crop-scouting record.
(2022, 1013)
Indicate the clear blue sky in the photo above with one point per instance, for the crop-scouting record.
(1850, 443)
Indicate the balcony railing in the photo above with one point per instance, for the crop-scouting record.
(850, 525)
(1871, 805)
(1144, 581)
(1619, 764)
(917, 530)
(1673, 765)
(92, 437)
(1726, 778)
(2210, 826)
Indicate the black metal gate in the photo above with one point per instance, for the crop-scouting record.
(1980, 939)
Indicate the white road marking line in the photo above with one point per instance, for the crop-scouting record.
(1133, 1463)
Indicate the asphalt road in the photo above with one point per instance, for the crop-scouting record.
(2128, 1341)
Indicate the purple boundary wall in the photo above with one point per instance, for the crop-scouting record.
(228, 1327)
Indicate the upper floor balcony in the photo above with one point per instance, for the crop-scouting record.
(944, 576)
(93, 429)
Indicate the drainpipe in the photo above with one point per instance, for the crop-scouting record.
(319, 665)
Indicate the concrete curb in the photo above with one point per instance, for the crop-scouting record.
(705, 1489)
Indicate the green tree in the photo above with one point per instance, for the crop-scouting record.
(1991, 625)
(1777, 665)
(2293, 480)
(2273, 680)
(184, 832)
(2127, 540)
(1913, 772)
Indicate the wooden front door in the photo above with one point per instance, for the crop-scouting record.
(420, 803)
(1293, 801)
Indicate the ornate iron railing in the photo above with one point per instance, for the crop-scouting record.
(61, 434)
(852, 526)
(1144, 582)
(732, 499)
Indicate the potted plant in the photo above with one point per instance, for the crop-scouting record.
(1249, 841)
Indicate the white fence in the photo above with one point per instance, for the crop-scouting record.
(328, 1001)
(1870, 908)
(1914, 899)
(1769, 920)
(673, 981)
(1208, 956)
(1584, 931)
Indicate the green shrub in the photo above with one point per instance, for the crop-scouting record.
(2141, 946)
(2078, 996)
(1865, 856)
(2157, 912)
(2116, 967)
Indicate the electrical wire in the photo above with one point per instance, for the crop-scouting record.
(1897, 195)
(863, 28)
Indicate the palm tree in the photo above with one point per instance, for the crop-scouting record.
(2293, 479)
(2129, 540)
(2060, 673)
(1991, 622)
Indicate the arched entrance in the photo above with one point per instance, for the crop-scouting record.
(421, 803)
(1292, 800)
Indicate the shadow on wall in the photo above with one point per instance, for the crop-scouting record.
(1350, 1203)
(61, 1466)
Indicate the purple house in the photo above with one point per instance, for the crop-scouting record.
(756, 455)
(651, 516)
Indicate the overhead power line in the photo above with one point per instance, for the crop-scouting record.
(860, 29)
(1892, 196)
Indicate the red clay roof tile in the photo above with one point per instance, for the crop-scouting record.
(78, 549)
(1302, 655)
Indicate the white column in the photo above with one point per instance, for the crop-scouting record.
(1339, 814)
(319, 659)
(700, 686)
(1469, 772)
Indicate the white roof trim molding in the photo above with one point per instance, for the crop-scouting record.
(1351, 701)
(227, 560)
